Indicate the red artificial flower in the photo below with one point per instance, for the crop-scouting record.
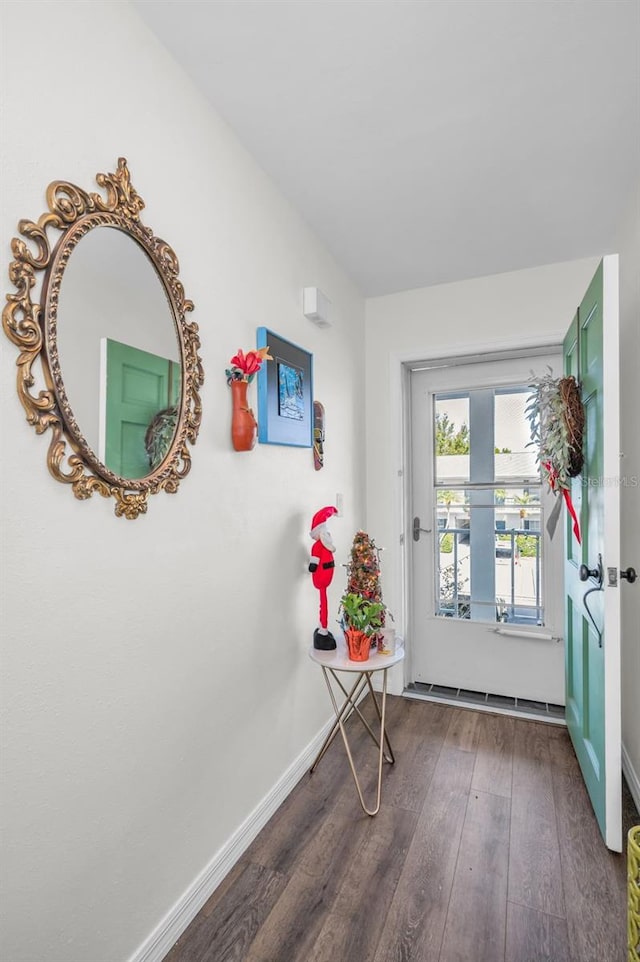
(238, 360)
(245, 366)
(253, 362)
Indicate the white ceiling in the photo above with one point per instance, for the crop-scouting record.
(428, 141)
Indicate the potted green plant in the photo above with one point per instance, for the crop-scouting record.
(360, 620)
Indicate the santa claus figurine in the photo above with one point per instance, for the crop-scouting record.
(321, 567)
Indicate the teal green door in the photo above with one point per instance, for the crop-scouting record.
(138, 386)
(592, 605)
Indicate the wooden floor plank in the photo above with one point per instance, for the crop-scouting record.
(593, 877)
(463, 730)
(535, 872)
(417, 915)
(299, 817)
(227, 883)
(225, 933)
(494, 755)
(476, 920)
(353, 929)
(292, 927)
(428, 720)
(535, 937)
(407, 782)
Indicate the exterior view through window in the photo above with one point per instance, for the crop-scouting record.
(489, 516)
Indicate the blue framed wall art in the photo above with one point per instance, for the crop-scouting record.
(285, 393)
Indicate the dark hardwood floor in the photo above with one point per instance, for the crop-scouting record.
(485, 850)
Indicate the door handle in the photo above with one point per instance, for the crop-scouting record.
(585, 572)
(629, 574)
(417, 529)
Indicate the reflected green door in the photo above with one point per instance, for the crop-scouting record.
(139, 384)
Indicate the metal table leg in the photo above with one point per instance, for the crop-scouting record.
(364, 679)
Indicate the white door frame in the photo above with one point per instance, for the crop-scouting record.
(400, 408)
(471, 653)
(612, 601)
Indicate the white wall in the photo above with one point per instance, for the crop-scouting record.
(155, 677)
(475, 316)
(629, 248)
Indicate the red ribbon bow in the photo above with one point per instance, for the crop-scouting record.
(566, 494)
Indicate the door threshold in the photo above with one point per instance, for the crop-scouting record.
(545, 712)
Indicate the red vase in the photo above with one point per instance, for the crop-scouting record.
(244, 427)
(358, 644)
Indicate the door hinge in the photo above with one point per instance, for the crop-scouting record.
(612, 577)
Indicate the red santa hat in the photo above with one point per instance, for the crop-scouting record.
(323, 515)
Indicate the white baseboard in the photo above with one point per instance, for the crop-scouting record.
(168, 931)
(633, 781)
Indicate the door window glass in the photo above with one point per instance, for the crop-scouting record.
(488, 508)
(451, 428)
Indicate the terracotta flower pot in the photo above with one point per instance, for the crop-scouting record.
(358, 644)
(244, 428)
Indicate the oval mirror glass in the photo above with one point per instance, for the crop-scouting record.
(119, 352)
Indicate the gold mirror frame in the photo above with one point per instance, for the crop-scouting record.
(32, 327)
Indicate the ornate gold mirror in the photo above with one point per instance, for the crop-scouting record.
(120, 362)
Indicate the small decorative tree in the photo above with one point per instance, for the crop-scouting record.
(364, 573)
(364, 570)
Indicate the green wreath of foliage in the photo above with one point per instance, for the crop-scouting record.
(159, 435)
(556, 416)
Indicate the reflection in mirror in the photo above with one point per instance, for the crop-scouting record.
(139, 401)
(119, 360)
(118, 348)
